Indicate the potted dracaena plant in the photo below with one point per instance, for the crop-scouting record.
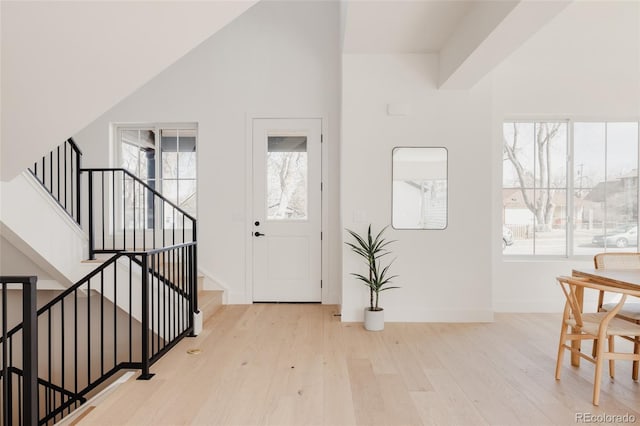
(372, 249)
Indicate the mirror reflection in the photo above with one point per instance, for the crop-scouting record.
(419, 188)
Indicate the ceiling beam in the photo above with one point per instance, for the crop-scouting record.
(487, 35)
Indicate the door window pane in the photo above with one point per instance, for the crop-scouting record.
(287, 178)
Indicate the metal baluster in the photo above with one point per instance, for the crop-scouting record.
(75, 341)
(10, 384)
(92, 255)
(115, 319)
(113, 210)
(182, 294)
(124, 212)
(153, 321)
(143, 203)
(62, 349)
(78, 192)
(73, 194)
(174, 293)
(130, 311)
(153, 214)
(164, 244)
(194, 272)
(51, 172)
(50, 403)
(58, 170)
(146, 375)
(20, 407)
(102, 206)
(89, 331)
(134, 215)
(102, 318)
(161, 267)
(65, 175)
(167, 272)
(6, 419)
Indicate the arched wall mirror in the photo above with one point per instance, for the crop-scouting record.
(419, 194)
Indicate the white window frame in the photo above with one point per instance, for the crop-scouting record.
(156, 127)
(570, 179)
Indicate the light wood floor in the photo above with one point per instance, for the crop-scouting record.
(299, 365)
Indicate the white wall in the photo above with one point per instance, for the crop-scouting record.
(64, 63)
(34, 222)
(585, 64)
(445, 275)
(279, 58)
(14, 262)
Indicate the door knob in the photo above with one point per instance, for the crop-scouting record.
(258, 234)
(256, 223)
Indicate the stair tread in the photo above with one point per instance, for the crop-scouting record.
(209, 301)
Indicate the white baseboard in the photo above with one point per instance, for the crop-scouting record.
(211, 283)
(423, 315)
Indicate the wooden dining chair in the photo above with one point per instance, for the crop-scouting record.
(631, 310)
(597, 326)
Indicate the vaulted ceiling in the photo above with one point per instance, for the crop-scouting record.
(66, 63)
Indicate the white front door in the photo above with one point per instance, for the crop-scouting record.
(286, 210)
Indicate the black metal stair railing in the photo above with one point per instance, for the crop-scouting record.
(50, 393)
(59, 174)
(125, 314)
(126, 213)
(119, 316)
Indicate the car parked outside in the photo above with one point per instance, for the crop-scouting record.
(618, 238)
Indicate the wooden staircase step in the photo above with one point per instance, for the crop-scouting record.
(209, 301)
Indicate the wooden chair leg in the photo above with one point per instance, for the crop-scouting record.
(594, 349)
(598, 374)
(636, 350)
(561, 349)
(612, 362)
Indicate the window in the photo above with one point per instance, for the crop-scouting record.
(287, 178)
(164, 157)
(569, 188)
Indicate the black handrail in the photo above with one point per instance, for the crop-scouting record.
(125, 213)
(141, 182)
(80, 328)
(166, 260)
(59, 173)
(47, 392)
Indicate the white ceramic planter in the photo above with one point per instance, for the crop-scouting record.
(373, 320)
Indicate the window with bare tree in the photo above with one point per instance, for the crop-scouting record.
(287, 178)
(569, 188)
